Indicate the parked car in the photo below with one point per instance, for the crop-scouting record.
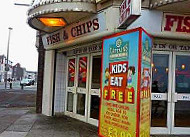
(32, 81)
(26, 82)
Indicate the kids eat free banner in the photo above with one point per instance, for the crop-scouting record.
(119, 86)
(125, 85)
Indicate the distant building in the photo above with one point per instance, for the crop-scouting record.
(18, 72)
(3, 62)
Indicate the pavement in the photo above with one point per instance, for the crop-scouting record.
(23, 122)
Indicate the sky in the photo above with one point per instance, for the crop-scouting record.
(22, 39)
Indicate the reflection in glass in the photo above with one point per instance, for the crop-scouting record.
(159, 113)
(160, 73)
(182, 74)
(71, 72)
(94, 110)
(82, 72)
(81, 104)
(182, 114)
(96, 72)
(70, 102)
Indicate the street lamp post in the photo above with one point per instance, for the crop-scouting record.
(7, 63)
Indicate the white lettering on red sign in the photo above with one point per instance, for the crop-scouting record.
(119, 68)
(176, 23)
(125, 10)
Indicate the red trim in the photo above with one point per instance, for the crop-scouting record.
(146, 33)
(100, 91)
(139, 83)
(122, 33)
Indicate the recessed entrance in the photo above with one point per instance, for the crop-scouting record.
(170, 90)
(170, 93)
(83, 87)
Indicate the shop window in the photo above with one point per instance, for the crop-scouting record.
(182, 74)
(82, 72)
(71, 72)
(96, 72)
(94, 110)
(182, 113)
(159, 113)
(70, 102)
(160, 73)
(81, 104)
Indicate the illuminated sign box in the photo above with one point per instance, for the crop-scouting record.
(130, 10)
(125, 85)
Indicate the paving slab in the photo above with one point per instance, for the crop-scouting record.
(9, 116)
(23, 124)
(61, 127)
(13, 134)
(40, 133)
(19, 122)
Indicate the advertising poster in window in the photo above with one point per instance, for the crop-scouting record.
(121, 85)
(82, 69)
(71, 72)
(71, 69)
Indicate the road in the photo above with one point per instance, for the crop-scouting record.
(16, 86)
(16, 97)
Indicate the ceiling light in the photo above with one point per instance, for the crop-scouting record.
(53, 22)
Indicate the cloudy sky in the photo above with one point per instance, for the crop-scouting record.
(22, 40)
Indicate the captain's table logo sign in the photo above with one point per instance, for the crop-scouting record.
(119, 50)
(176, 23)
(125, 83)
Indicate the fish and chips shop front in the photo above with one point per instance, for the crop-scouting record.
(82, 77)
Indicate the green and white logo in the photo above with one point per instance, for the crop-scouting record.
(119, 49)
(118, 42)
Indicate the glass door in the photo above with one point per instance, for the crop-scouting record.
(181, 94)
(94, 89)
(161, 93)
(77, 87)
(82, 87)
(71, 86)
